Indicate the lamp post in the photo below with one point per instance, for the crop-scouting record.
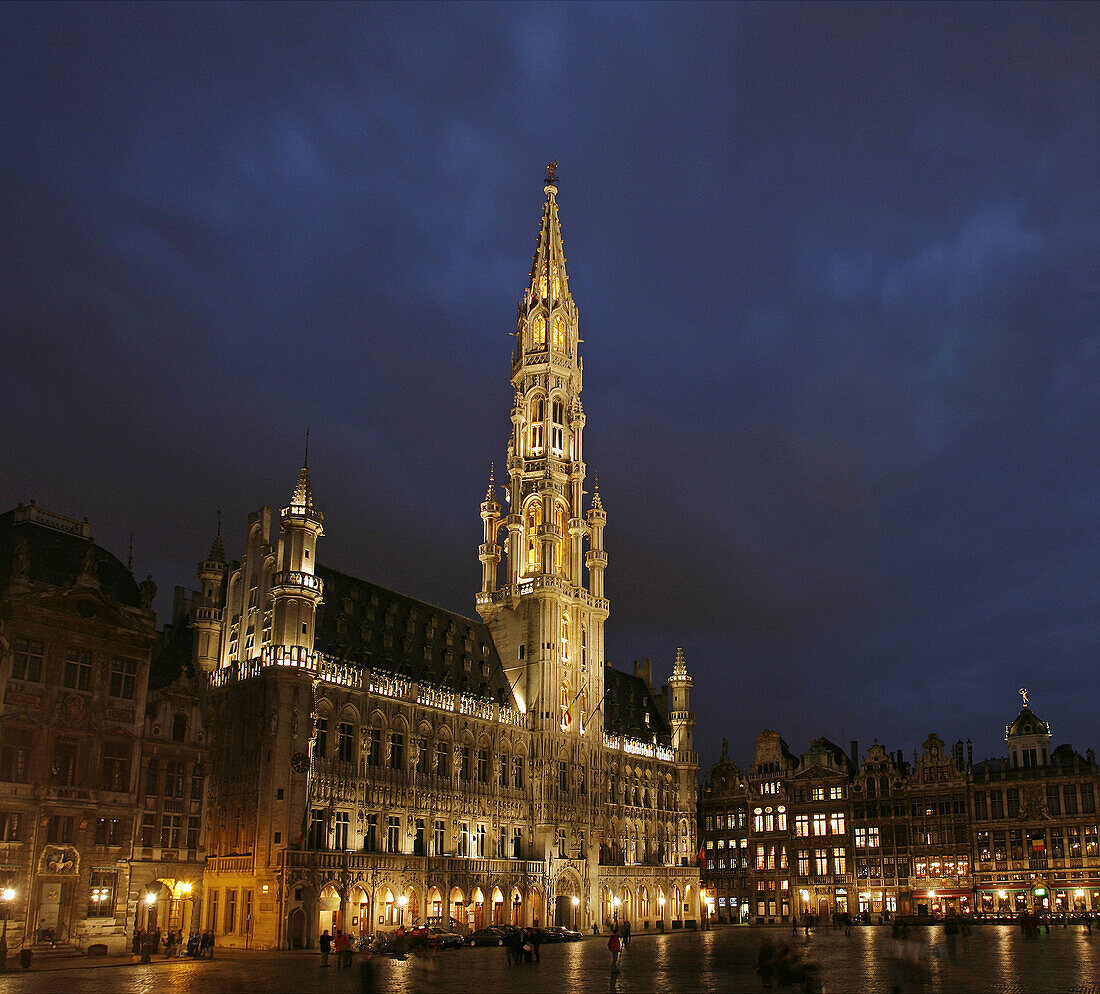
(661, 905)
(8, 896)
(576, 906)
(615, 906)
(515, 909)
(402, 901)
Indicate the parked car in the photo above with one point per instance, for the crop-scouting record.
(563, 934)
(431, 935)
(491, 936)
(547, 934)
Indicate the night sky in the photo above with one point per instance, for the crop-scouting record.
(836, 269)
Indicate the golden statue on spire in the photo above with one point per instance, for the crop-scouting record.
(1023, 694)
(552, 172)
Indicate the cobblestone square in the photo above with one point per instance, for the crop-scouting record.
(998, 960)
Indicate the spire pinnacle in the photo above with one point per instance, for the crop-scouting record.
(303, 490)
(681, 666)
(217, 552)
(490, 495)
(305, 461)
(597, 504)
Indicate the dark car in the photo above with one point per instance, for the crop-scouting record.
(550, 934)
(562, 934)
(491, 936)
(429, 936)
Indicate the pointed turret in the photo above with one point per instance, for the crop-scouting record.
(489, 553)
(207, 616)
(295, 591)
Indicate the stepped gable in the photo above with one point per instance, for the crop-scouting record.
(626, 703)
(367, 625)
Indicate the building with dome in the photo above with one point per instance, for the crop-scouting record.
(101, 751)
(828, 832)
(379, 761)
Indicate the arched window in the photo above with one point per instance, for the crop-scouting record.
(558, 338)
(538, 332)
(538, 417)
(565, 636)
(584, 646)
(564, 564)
(534, 548)
(557, 427)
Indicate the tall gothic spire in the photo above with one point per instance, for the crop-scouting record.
(548, 280)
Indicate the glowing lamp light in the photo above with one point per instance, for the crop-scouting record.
(805, 895)
(1080, 892)
(403, 900)
(1002, 894)
(150, 898)
(617, 902)
(185, 888)
(1040, 891)
(9, 894)
(263, 889)
(932, 894)
(577, 900)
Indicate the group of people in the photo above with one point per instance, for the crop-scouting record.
(148, 942)
(522, 946)
(340, 944)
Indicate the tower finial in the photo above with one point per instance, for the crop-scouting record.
(490, 494)
(305, 462)
(552, 173)
(1023, 694)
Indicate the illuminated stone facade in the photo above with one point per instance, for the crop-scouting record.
(101, 759)
(379, 760)
(828, 832)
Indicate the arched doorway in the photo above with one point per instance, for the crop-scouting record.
(498, 907)
(626, 911)
(567, 901)
(536, 910)
(477, 913)
(155, 910)
(457, 902)
(328, 918)
(360, 909)
(517, 907)
(434, 908)
(296, 929)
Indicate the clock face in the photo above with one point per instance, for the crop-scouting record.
(299, 762)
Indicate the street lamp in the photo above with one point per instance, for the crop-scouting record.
(401, 902)
(8, 895)
(615, 905)
(576, 905)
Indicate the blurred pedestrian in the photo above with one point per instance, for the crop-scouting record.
(326, 946)
(615, 945)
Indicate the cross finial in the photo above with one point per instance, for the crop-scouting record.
(552, 171)
(1023, 693)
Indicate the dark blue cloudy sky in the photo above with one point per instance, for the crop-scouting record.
(837, 275)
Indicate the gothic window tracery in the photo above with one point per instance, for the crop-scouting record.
(538, 417)
(565, 637)
(557, 427)
(558, 334)
(532, 521)
(538, 332)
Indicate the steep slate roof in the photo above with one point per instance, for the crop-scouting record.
(367, 625)
(627, 701)
(56, 555)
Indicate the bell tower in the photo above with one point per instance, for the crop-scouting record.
(543, 598)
